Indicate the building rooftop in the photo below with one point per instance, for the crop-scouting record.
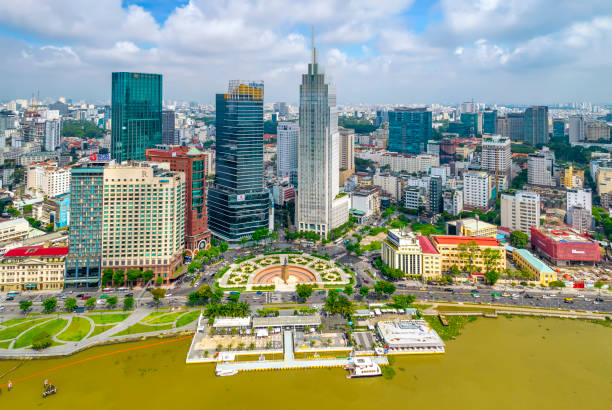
(26, 251)
(564, 234)
(276, 321)
(533, 261)
(456, 240)
(408, 333)
(426, 245)
(232, 322)
(13, 222)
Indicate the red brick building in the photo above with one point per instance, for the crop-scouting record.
(193, 163)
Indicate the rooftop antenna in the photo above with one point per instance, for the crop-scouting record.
(314, 51)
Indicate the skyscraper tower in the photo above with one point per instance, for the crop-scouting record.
(238, 204)
(136, 115)
(320, 206)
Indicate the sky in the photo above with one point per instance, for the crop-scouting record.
(375, 51)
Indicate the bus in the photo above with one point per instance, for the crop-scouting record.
(12, 294)
(338, 241)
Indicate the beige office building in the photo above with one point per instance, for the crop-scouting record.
(412, 253)
(521, 211)
(143, 219)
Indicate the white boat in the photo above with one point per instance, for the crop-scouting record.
(223, 373)
(363, 367)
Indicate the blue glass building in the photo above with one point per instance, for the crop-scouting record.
(136, 115)
(409, 130)
(489, 118)
(536, 125)
(238, 203)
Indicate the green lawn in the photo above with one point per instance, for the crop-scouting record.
(154, 315)
(78, 329)
(13, 332)
(455, 325)
(459, 308)
(15, 321)
(165, 319)
(52, 327)
(5, 345)
(100, 329)
(187, 318)
(140, 328)
(109, 318)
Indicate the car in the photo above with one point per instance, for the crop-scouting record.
(103, 297)
(366, 281)
(475, 295)
(106, 291)
(85, 297)
(129, 295)
(569, 300)
(515, 296)
(259, 292)
(100, 301)
(448, 290)
(80, 295)
(528, 296)
(9, 298)
(588, 299)
(505, 295)
(545, 297)
(599, 299)
(2, 308)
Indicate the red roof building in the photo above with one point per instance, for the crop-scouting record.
(37, 251)
(456, 240)
(426, 245)
(563, 246)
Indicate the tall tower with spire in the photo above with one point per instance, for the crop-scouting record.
(320, 205)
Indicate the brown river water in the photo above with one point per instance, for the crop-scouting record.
(516, 363)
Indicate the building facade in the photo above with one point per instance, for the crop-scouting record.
(238, 203)
(564, 246)
(409, 130)
(33, 268)
(536, 125)
(540, 271)
(452, 253)
(435, 195)
(136, 114)
(287, 135)
(13, 230)
(412, 253)
(521, 211)
(577, 131)
(320, 205)
(169, 134)
(192, 163)
(540, 168)
(53, 129)
(477, 187)
(497, 155)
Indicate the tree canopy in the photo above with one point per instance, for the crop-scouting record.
(81, 129)
(518, 239)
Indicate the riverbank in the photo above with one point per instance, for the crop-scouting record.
(506, 363)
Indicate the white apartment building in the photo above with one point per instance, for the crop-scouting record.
(287, 134)
(442, 171)
(577, 130)
(540, 168)
(457, 202)
(579, 198)
(521, 211)
(389, 184)
(48, 178)
(477, 189)
(496, 154)
(401, 163)
(14, 230)
(347, 149)
(53, 130)
(411, 198)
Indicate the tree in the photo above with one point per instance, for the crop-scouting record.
(147, 275)
(303, 291)
(364, 291)
(193, 266)
(348, 289)
(158, 294)
(159, 280)
(454, 271)
(118, 277)
(204, 293)
(41, 341)
(112, 301)
(338, 304)
(50, 227)
(518, 239)
(383, 287)
(133, 275)
(234, 297)
(490, 258)
(491, 276)
(223, 246)
(260, 234)
(107, 276)
(468, 252)
(90, 303)
(70, 304)
(24, 305)
(403, 301)
(49, 304)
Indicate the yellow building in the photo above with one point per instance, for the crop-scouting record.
(412, 253)
(450, 252)
(525, 260)
(33, 268)
(471, 227)
(572, 178)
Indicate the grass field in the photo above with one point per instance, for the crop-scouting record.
(13, 332)
(165, 319)
(100, 329)
(15, 321)
(108, 318)
(140, 328)
(52, 327)
(5, 345)
(442, 308)
(455, 325)
(187, 318)
(153, 315)
(78, 329)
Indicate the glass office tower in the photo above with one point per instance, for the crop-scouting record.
(238, 204)
(136, 114)
(409, 130)
(536, 125)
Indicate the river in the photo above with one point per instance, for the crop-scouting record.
(516, 363)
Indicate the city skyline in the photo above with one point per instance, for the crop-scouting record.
(397, 52)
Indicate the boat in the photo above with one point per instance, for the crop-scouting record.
(49, 390)
(362, 367)
(223, 373)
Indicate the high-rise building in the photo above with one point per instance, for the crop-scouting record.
(48, 178)
(84, 260)
(347, 153)
(144, 219)
(496, 155)
(477, 189)
(382, 116)
(169, 134)
(287, 135)
(320, 206)
(580, 218)
(409, 130)
(238, 203)
(137, 115)
(192, 163)
(536, 125)
(52, 134)
(435, 195)
(578, 198)
(577, 130)
(521, 211)
(470, 122)
(502, 126)
(489, 121)
(516, 126)
(597, 131)
(558, 128)
(540, 168)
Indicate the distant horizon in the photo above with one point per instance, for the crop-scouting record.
(386, 52)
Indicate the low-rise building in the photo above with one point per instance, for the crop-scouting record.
(412, 198)
(407, 334)
(471, 227)
(14, 230)
(412, 253)
(562, 246)
(32, 268)
(525, 260)
(454, 251)
(365, 198)
(520, 212)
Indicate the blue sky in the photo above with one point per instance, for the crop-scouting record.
(385, 51)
